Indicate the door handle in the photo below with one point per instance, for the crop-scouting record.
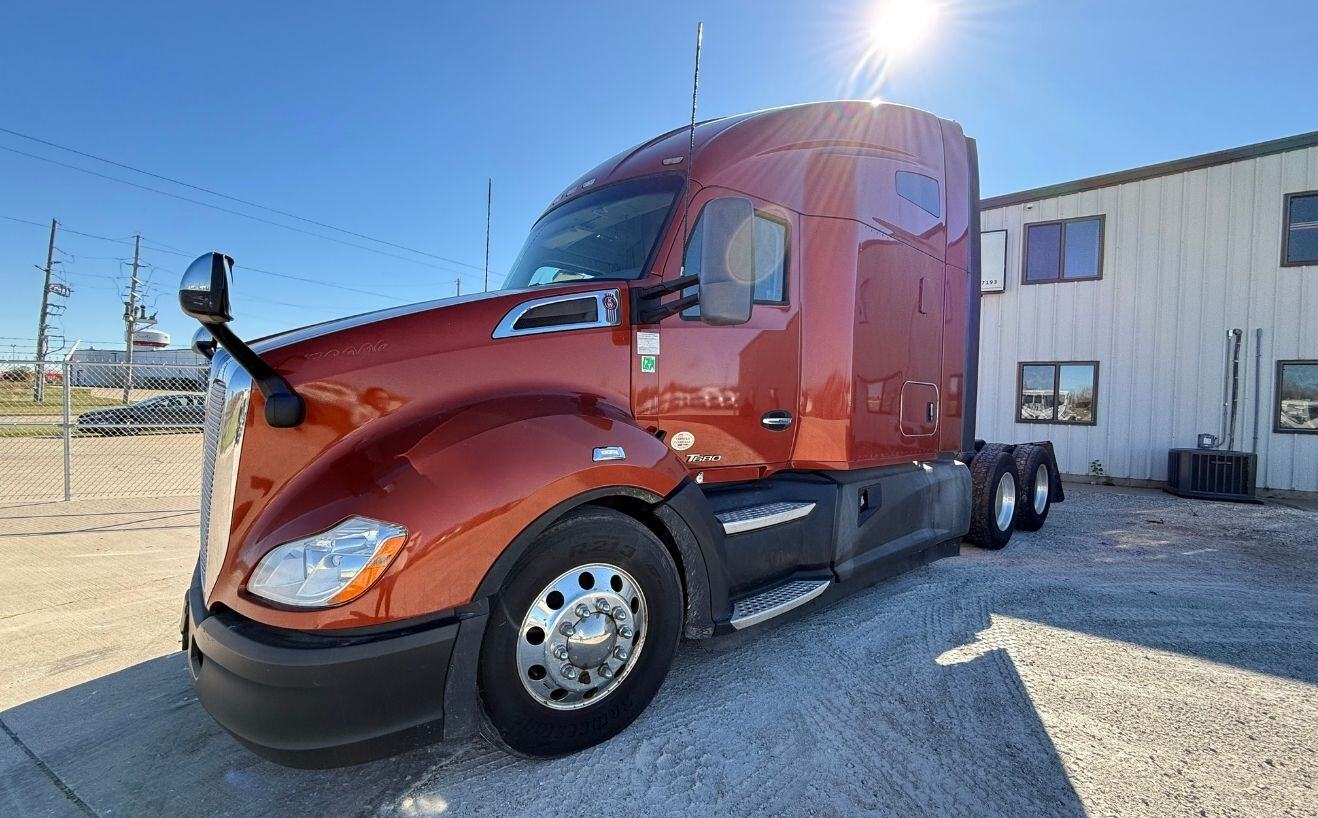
(778, 420)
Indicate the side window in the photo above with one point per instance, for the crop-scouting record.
(1068, 250)
(1300, 241)
(919, 190)
(770, 261)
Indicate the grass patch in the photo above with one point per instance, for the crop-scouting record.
(17, 399)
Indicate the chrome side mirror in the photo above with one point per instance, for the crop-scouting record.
(204, 291)
(203, 343)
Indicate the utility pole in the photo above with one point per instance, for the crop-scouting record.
(134, 317)
(39, 388)
(489, 205)
(457, 285)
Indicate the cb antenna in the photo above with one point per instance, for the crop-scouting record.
(691, 142)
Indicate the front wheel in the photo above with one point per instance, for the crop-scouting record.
(580, 636)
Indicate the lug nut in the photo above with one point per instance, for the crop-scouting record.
(567, 629)
(606, 672)
(625, 632)
(620, 614)
(582, 610)
(560, 651)
(569, 672)
(621, 654)
(602, 604)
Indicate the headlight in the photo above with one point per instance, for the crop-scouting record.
(328, 568)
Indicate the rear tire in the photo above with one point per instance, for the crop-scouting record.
(534, 704)
(994, 497)
(1037, 469)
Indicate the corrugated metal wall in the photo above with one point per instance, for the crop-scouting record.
(1187, 257)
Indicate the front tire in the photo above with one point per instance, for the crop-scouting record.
(580, 636)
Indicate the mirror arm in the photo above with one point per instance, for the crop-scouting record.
(679, 283)
(283, 407)
(645, 308)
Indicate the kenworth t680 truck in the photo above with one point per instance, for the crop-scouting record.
(732, 372)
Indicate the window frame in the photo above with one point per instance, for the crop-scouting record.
(1057, 385)
(1101, 218)
(786, 224)
(1277, 428)
(1286, 230)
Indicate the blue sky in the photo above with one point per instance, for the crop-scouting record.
(387, 119)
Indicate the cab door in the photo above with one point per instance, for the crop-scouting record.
(726, 397)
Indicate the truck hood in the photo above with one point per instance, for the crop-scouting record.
(410, 403)
(307, 333)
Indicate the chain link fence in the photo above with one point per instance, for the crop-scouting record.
(76, 429)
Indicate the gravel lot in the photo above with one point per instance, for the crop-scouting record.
(1143, 655)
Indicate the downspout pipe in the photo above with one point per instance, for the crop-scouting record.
(1232, 406)
(1258, 383)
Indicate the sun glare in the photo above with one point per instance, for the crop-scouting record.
(900, 25)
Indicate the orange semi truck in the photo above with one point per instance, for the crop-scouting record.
(731, 372)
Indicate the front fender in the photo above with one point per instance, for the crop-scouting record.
(464, 486)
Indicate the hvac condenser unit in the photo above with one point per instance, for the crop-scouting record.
(1209, 474)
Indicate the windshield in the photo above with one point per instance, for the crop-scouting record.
(609, 233)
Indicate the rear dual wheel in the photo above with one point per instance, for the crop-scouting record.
(581, 635)
(1036, 469)
(994, 495)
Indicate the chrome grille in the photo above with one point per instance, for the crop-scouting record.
(226, 419)
(214, 409)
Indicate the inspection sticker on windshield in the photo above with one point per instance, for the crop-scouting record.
(647, 343)
(647, 363)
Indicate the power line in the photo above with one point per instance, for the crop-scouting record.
(232, 212)
(331, 284)
(247, 202)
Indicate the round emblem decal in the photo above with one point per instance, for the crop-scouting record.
(683, 441)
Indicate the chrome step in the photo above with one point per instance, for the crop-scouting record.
(777, 600)
(750, 518)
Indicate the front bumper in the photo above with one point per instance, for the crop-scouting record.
(315, 700)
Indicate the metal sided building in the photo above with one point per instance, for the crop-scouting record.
(1111, 303)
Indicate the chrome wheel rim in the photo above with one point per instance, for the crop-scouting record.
(1004, 501)
(582, 636)
(1040, 488)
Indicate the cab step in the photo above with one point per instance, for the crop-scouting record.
(780, 599)
(737, 520)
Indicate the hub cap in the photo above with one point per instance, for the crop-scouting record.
(1040, 488)
(1004, 501)
(581, 636)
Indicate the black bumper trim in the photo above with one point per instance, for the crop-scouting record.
(307, 700)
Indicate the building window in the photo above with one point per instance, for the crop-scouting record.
(1299, 243)
(770, 262)
(1058, 392)
(1066, 250)
(1297, 397)
(919, 190)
